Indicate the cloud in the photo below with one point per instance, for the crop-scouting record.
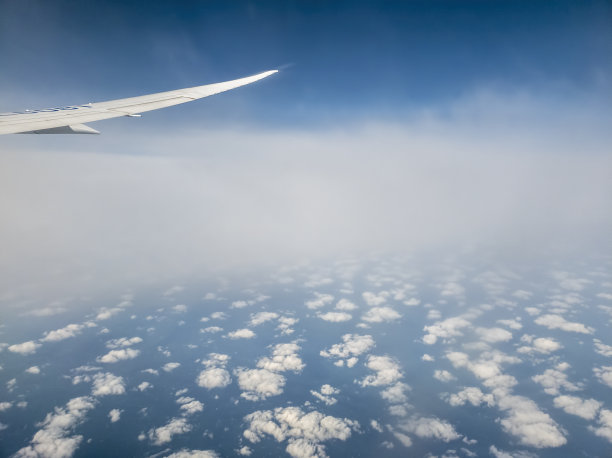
(285, 323)
(605, 425)
(185, 453)
(396, 393)
(114, 415)
(179, 308)
(35, 370)
(427, 358)
(374, 300)
(553, 380)
(239, 304)
(497, 453)
(604, 374)
(106, 313)
(215, 375)
(512, 324)
(211, 330)
(558, 322)
(335, 317)
(325, 394)
(386, 371)
(353, 345)
(585, 408)
(543, 345)
(258, 384)
(244, 333)
(144, 386)
(602, 349)
(303, 432)
(5, 405)
(169, 367)
(380, 314)
(345, 305)
(473, 395)
(262, 317)
(321, 300)
(190, 405)
(53, 440)
(444, 329)
(46, 311)
(115, 356)
(444, 376)
(164, 434)
(430, 428)
(105, 384)
(284, 358)
(123, 342)
(66, 332)
(494, 335)
(25, 348)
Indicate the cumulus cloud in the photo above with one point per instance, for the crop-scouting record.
(303, 432)
(444, 375)
(25, 348)
(396, 393)
(553, 380)
(215, 375)
(602, 348)
(35, 370)
(285, 323)
(543, 345)
(185, 453)
(189, 405)
(211, 330)
(558, 322)
(244, 333)
(115, 356)
(604, 374)
(54, 439)
(144, 386)
(262, 317)
(493, 335)
(66, 332)
(258, 384)
(106, 313)
(284, 358)
(114, 415)
(473, 395)
(169, 367)
(604, 428)
(105, 384)
(497, 453)
(374, 300)
(123, 342)
(430, 428)
(512, 324)
(387, 371)
(444, 329)
(585, 408)
(353, 345)
(164, 434)
(325, 394)
(345, 305)
(335, 317)
(320, 300)
(380, 314)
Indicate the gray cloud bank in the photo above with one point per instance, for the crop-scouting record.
(511, 171)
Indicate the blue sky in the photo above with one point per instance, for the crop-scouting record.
(340, 60)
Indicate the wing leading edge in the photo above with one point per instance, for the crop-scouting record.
(72, 119)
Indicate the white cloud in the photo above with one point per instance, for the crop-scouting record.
(284, 358)
(258, 384)
(25, 348)
(164, 434)
(543, 345)
(114, 415)
(211, 329)
(473, 395)
(285, 323)
(396, 393)
(35, 370)
(553, 380)
(353, 346)
(585, 408)
(107, 384)
(123, 342)
(522, 294)
(452, 289)
(66, 332)
(605, 425)
(262, 317)
(345, 305)
(430, 428)
(325, 394)
(144, 386)
(380, 314)
(184, 453)
(179, 308)
(106, 313)
(497, 453)
(215, 375)
(218, 316)
(5, 405)
(46, 311)
(169, 367)
(374, 300)
(115, 356)
(604, 374)
(304, 432)
(512, 324)
(244, 451)
(427, 357)
(493, 335)
(558, 322)
(444, 376)
(387, 371)
(244, 333)
(376, 426)
(444, 329)
(335, 317)
(53, 440)
(239, 304)
(602, 349)
(190, 405)
(321, 300)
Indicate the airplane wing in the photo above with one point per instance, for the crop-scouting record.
(71, 119)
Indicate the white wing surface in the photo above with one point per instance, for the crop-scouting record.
(71, 119)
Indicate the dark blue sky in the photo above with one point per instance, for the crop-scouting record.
(339, 59)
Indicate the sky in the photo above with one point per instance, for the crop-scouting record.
(390, 126)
